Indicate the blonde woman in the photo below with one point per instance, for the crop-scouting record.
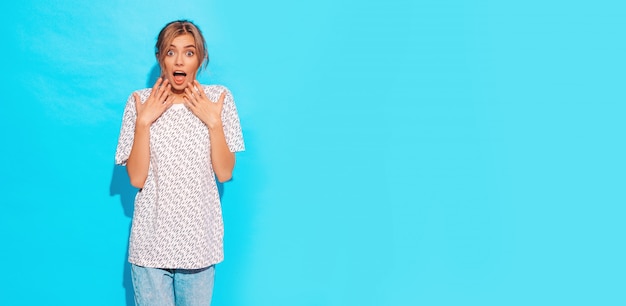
(176, 139)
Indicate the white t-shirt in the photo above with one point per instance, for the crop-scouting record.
(177, 221)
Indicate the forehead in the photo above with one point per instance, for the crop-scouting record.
(183, 41)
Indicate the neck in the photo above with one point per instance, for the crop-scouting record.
(177, 98)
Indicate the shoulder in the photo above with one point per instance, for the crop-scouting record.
(144, 90)
(143, 93)
(215, 89)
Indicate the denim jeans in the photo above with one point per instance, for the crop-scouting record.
(169, 287)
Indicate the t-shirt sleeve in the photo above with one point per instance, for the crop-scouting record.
(127, 133)
(232, 126)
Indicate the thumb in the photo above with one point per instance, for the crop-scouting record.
(220, 101)
(137, 100)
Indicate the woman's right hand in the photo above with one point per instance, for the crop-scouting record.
(156, 105)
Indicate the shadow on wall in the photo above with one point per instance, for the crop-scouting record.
(154, 74)
(120, 185)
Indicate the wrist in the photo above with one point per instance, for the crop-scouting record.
(141, 124)
(217, 126)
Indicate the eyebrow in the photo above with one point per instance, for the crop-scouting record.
(185, 47)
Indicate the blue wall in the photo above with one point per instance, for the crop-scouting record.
(398, 152)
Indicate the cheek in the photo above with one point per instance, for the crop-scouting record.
(192, 62)
(166, 65)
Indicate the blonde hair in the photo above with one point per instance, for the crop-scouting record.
(179, 28)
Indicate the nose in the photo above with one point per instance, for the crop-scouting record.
(179, 59)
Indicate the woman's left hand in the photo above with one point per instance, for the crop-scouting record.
(210, 112)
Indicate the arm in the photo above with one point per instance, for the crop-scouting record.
(139, 159)
(138, 162)
(222, 159)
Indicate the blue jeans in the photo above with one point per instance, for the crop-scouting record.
(168, 287)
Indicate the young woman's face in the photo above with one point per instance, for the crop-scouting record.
(181, 63)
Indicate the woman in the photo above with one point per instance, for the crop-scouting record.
(176, 139)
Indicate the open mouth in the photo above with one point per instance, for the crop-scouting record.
(179, 77)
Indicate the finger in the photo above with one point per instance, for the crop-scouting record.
(190, 104)
(189, 90)
(165, 85)
(166, 104)
(155, 88)
(200, 90)
(167, 98)
(192, 98)
(220, 101)
(190, 86)
(166, 90)
(187, 98)
(137, 100)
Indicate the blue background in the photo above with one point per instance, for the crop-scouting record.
(398, 152)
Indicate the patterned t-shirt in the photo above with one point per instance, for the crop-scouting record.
(177, 221)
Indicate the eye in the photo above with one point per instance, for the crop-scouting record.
(190, 53)
(170, 53)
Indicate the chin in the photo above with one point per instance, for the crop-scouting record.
(177, 88)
